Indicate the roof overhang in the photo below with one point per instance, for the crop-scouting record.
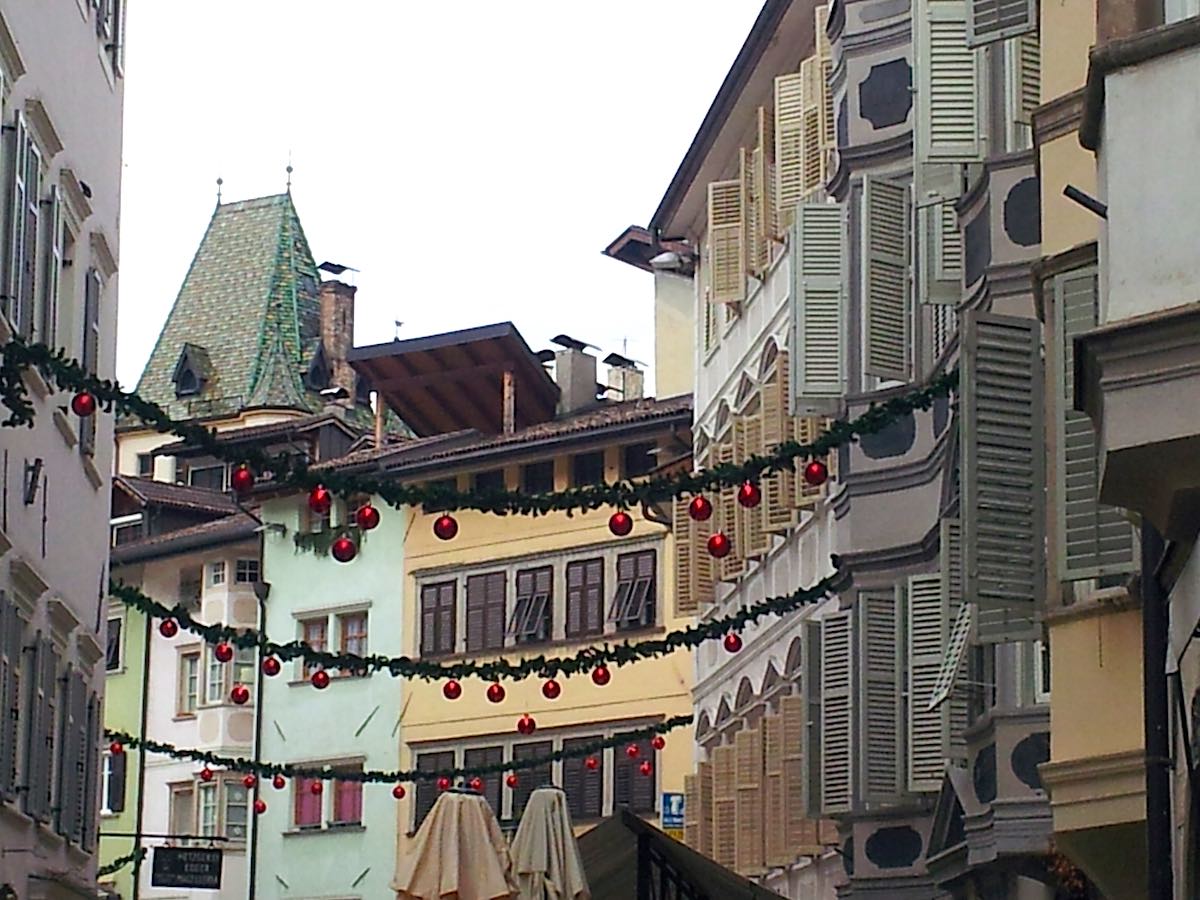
(637, 246)
(454, 381)
(273, 433)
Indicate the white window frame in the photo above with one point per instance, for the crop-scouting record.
(328, 798)
(332, 616)
(1041, 671)
(219, 790)
(213, 666)
(224, 475)
(245, 566)
(105, 778)
(190, 652)
(558, 561)
(119, 617)
(217, 573)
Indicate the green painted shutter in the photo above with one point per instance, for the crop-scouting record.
(1003, 474)
(931, 730)
(939, 274)
(1093, 539)
(879, 638)
(836, 738)
(818, 349)
(886, 217)
(10, 701)
(994, 20)
(948, 100)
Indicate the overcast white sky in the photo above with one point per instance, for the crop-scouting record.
(470, 158)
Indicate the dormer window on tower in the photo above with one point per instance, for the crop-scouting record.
(318, 375)
(192, 371)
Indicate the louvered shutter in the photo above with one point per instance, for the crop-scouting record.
(40, 736)
(10, 700)
(16, 220)
(1093, 539)
(776, 851)
(941, 254)
(725, 515)
(90, 358)
(947, 104)
(481, 758)
(928, 730)
(429, 611)
(789, 148)
(749, 804)
(1027, 76)
(426, 789)
(752, 538)
(447, 609)
(836, 757)
(726, 241)
(885, 278)
(496, 591)
(691, 811)
(529, 780)
(29, 238)
(724, 849)
(762, 190)
(630, 787)
(808, 429)
(74, 795)
(585, 597)
(115, 799)
(800, 830)
(1003, 473)
(584, 787)
(91, 770)
(818, 367)
(812, 80)
(704, 815)
(693, 565)
(994, 20)
(777, 509)
(47, 327)
(879, 639)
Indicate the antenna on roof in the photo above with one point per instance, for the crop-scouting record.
(220, 181)
(396, 334)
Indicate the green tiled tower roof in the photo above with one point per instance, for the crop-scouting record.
(249, 307)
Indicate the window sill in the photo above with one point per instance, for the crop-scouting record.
(566, 643)
(184, 717)
(325, 829)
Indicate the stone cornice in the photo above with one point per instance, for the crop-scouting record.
(1057, 118)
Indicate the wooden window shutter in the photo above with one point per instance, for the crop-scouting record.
(426, 789)
(777, 509)
(752, 538)
(47, 327)
(481, 757)
(798, 828)
(789, 148)
(885, 278)
(812, 103)
(92, 770)
(630, 787)
(691, 811)
(928, 729)
(940, 243)
(485, 611)
(818, 350)
(879, 636)
(30, 233)
(704, 779)
(994, 20)
(776, 850)
(693, 564)
(726, 241)
(39, 733)
(428, 619)
(762, 191)
(584, 787)
(808, 429)
(585, 597)
(1003, 474)
(954, 650)
(10, 689)
(947, 104)
(1092, 539)
(447, 616)
(530, 780)
(724, 850)
(726, 517)
(115, 800)
(1027, 73)
(748, 748)
(836, 736)
(16, 220)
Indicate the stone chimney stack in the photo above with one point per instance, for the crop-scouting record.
(337, 335)
(575, 372)
(625, 380)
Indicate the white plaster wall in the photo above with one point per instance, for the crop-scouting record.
(674, 334)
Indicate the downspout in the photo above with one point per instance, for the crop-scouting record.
(1155, 625)
(141, 774)
(261, 590)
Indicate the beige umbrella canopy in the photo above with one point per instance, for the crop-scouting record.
(545, 856)
(459, 853)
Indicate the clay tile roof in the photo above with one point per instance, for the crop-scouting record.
(229, 530)
(178, 496)
(250, 433)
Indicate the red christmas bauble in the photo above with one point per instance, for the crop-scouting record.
(551, 689)
(601, 676)
(250, 780)
(320, 500)
(700, 509)
(343, 549)
(512, 781)
(749, 494)
(240, 694)
(260, 807)
(443, 783)
(719, 545)
(116, 748)
(223, 652)
(83, 404)
(279, 782)
(271, 666)
(632, 751)
(242, 480)
(445, 527)
(815, 473)
(592, 763)
(316, 787)
(366, 517)
(526, 724)
(452, 690)
(495, 692)
(320, 679)
(206, 774)
(398, 792)
(477, 784)
(658, 742)
(733, 642)
(646, 768)
(168, 628)
(620, 523)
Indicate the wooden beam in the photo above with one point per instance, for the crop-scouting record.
(379, 405)
(509, 393)
(451, 375)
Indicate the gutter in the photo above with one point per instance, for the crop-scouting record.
(135, 553)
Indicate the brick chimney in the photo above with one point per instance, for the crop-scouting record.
(337, 335)
(575, 372)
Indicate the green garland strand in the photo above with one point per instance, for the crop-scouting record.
(493, 670)
(284, 471)
(267, 770)
(121, 862)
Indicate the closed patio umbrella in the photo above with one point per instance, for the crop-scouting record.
(546, 859)
(459, 853)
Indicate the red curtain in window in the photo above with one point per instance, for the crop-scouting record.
(308, 804)
(347, 801)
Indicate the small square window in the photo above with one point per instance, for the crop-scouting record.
(587, 468)
(638, 459)
(538, 477)
(492, 480)
(210, 477)
(246, 571)
(145, 465)
(216, 572)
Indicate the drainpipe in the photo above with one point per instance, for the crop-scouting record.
(1159, 873)
(261, 590)
(141, 773)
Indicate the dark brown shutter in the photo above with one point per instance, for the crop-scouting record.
(630, 787)
(494, 609)
(28, 261)
(575, 598)
(39, 735)
(626, 572)
(115, 799)
(91, 352)
(476, 613)
(91, 773)
(447, 618)
(429, 619)
(529, 780)
(584, 787)
(585, 597)
(427, 791)
(482, 757)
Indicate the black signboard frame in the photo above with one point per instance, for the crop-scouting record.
(186, 867)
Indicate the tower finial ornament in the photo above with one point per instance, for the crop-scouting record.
(220, 181)
(289, 172)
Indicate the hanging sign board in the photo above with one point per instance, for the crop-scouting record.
(186, 867)
(672, 814)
